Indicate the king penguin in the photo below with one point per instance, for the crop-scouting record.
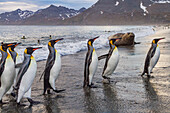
(91, 63)
(16, 60)
(152, 57)
(7, 70)
(52, 68)
(26, 75)
(112, 59)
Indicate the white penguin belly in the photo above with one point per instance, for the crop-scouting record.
(93, 66)
(18, 60)
(28, 77)
(8, 74)
(54, 72)
(154, 59)
(112, 63)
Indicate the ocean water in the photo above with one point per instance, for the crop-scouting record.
(75, 37)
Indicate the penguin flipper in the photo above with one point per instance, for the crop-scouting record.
(86, 69)
(153, 52)
(42, 75)
(49, 64)
(46, 68)
(21, 72)
(2, 63)
(102, 56)
(18, 65)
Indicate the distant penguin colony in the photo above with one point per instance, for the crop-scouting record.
(16, 76)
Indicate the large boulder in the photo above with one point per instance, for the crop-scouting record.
(126, 39)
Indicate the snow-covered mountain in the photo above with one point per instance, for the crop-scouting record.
(103, 12)
(51, 14)
(111, 12)
(14, 16)
(42, 16)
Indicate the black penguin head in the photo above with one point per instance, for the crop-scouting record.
(155, 41)
(4, 46)
(51, 43)
(12, 47)
(90, 41)
(112, 41)
(30, 50)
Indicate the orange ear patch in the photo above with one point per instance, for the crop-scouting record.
(49, 43)
(111, 42)
(89, 43)
(25, 51)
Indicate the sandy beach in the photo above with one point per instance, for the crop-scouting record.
(128, 92)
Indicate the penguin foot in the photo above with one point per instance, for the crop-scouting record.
(13, 94)
(152, 76)
(32, 102)
(142, 74)
(149, 76)
(19, 105)
(92, 86)
(1, 103)
(48, 91)
(58, 91)
(106, 77)
(92, 83)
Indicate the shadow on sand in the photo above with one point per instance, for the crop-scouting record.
(151, 96)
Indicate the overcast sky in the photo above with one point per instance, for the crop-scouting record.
(33, 5)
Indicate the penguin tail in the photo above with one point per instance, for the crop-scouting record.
(58, 91)
(45, 89)
(41, 76)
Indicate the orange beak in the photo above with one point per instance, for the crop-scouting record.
(161, 38)
(59, 39)
(37, 48)
(9, 45)
(17, 44)
(96, 38)
(118, 39)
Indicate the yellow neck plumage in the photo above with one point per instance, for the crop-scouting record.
(10, 49)
(2, 49)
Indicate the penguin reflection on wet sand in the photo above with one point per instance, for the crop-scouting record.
(16, 60)
(91, 63)
(52, 68)
(26, 75)
(112, 59)
(152, 57)
(7, 70)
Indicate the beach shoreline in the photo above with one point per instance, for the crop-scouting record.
(128, 92)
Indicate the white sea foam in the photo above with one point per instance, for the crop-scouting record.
(75, 37)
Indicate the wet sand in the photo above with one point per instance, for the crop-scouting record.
(128, 92)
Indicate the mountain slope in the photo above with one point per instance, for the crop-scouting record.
(111, 12)
(14, 17)
(52, 14)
